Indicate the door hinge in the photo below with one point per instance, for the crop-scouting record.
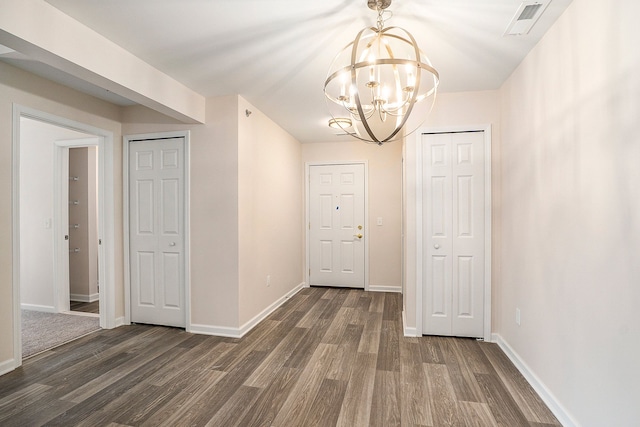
(99, 241)
(309, 272)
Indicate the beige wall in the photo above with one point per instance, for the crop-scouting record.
(384, 198)
(245, 210)
(214, 205)
(270, 220)
(25, 89)
(452, 110)
(41, 31)
(83, 268)
(571, 212)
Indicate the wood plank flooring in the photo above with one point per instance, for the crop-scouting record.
(327, 357)
(85, 307)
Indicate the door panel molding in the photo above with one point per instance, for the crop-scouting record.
(419, 263)
(308, 166)
(127, 139)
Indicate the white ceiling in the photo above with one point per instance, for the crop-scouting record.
(276, 53)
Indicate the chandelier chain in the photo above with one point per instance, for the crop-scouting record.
(380, 23)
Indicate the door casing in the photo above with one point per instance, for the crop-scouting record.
(125, 206)
(487, 218)
(307, 215)
(61, 216)
(106, 224)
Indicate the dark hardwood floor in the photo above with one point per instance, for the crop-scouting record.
(326, 357)
(85, 307)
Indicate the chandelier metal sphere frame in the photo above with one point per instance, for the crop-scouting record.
(378, 80)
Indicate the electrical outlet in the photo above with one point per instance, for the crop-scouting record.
(268, 280)
(518, 316)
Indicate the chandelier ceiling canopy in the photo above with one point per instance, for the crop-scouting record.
(378, 81)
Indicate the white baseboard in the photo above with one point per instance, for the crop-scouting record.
(36, 307)
(408, 331)
(224, 331)
(218, 331)
(545, 394)
(378, 288)
(84, 297)
(119, 321)
(7, 366)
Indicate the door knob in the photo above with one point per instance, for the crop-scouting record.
(172, 244)
(359, 236)
(437, 246)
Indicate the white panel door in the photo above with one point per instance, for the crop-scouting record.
(156, 231)
(336, 225)
(453, 227)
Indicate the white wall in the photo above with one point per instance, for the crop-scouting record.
(36, 211)
(384, 198)
(571, 212)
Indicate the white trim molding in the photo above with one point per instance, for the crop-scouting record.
(84, 298)
(382, 288)
(36, 307)
(8, 366)
(119, 321)
(545, 394)
(225, 331)
(408, 331)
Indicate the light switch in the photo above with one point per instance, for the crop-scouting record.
(379, 220)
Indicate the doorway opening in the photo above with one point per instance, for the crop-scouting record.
(41, 226)
(82, 214)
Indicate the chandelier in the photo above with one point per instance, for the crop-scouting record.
(378, 80)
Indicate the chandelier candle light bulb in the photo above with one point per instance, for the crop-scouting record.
(375, 65)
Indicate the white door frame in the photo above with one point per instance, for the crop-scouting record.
(187, 230)
(60, 223)
(106, 251)
(487, 221)
(307, 176)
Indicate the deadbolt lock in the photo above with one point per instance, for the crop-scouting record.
(359, 227)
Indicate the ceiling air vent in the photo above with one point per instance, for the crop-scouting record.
(525, 17)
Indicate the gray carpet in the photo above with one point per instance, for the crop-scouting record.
(42, 331)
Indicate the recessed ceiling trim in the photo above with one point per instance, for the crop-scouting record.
(525, 17)
(4, 50)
